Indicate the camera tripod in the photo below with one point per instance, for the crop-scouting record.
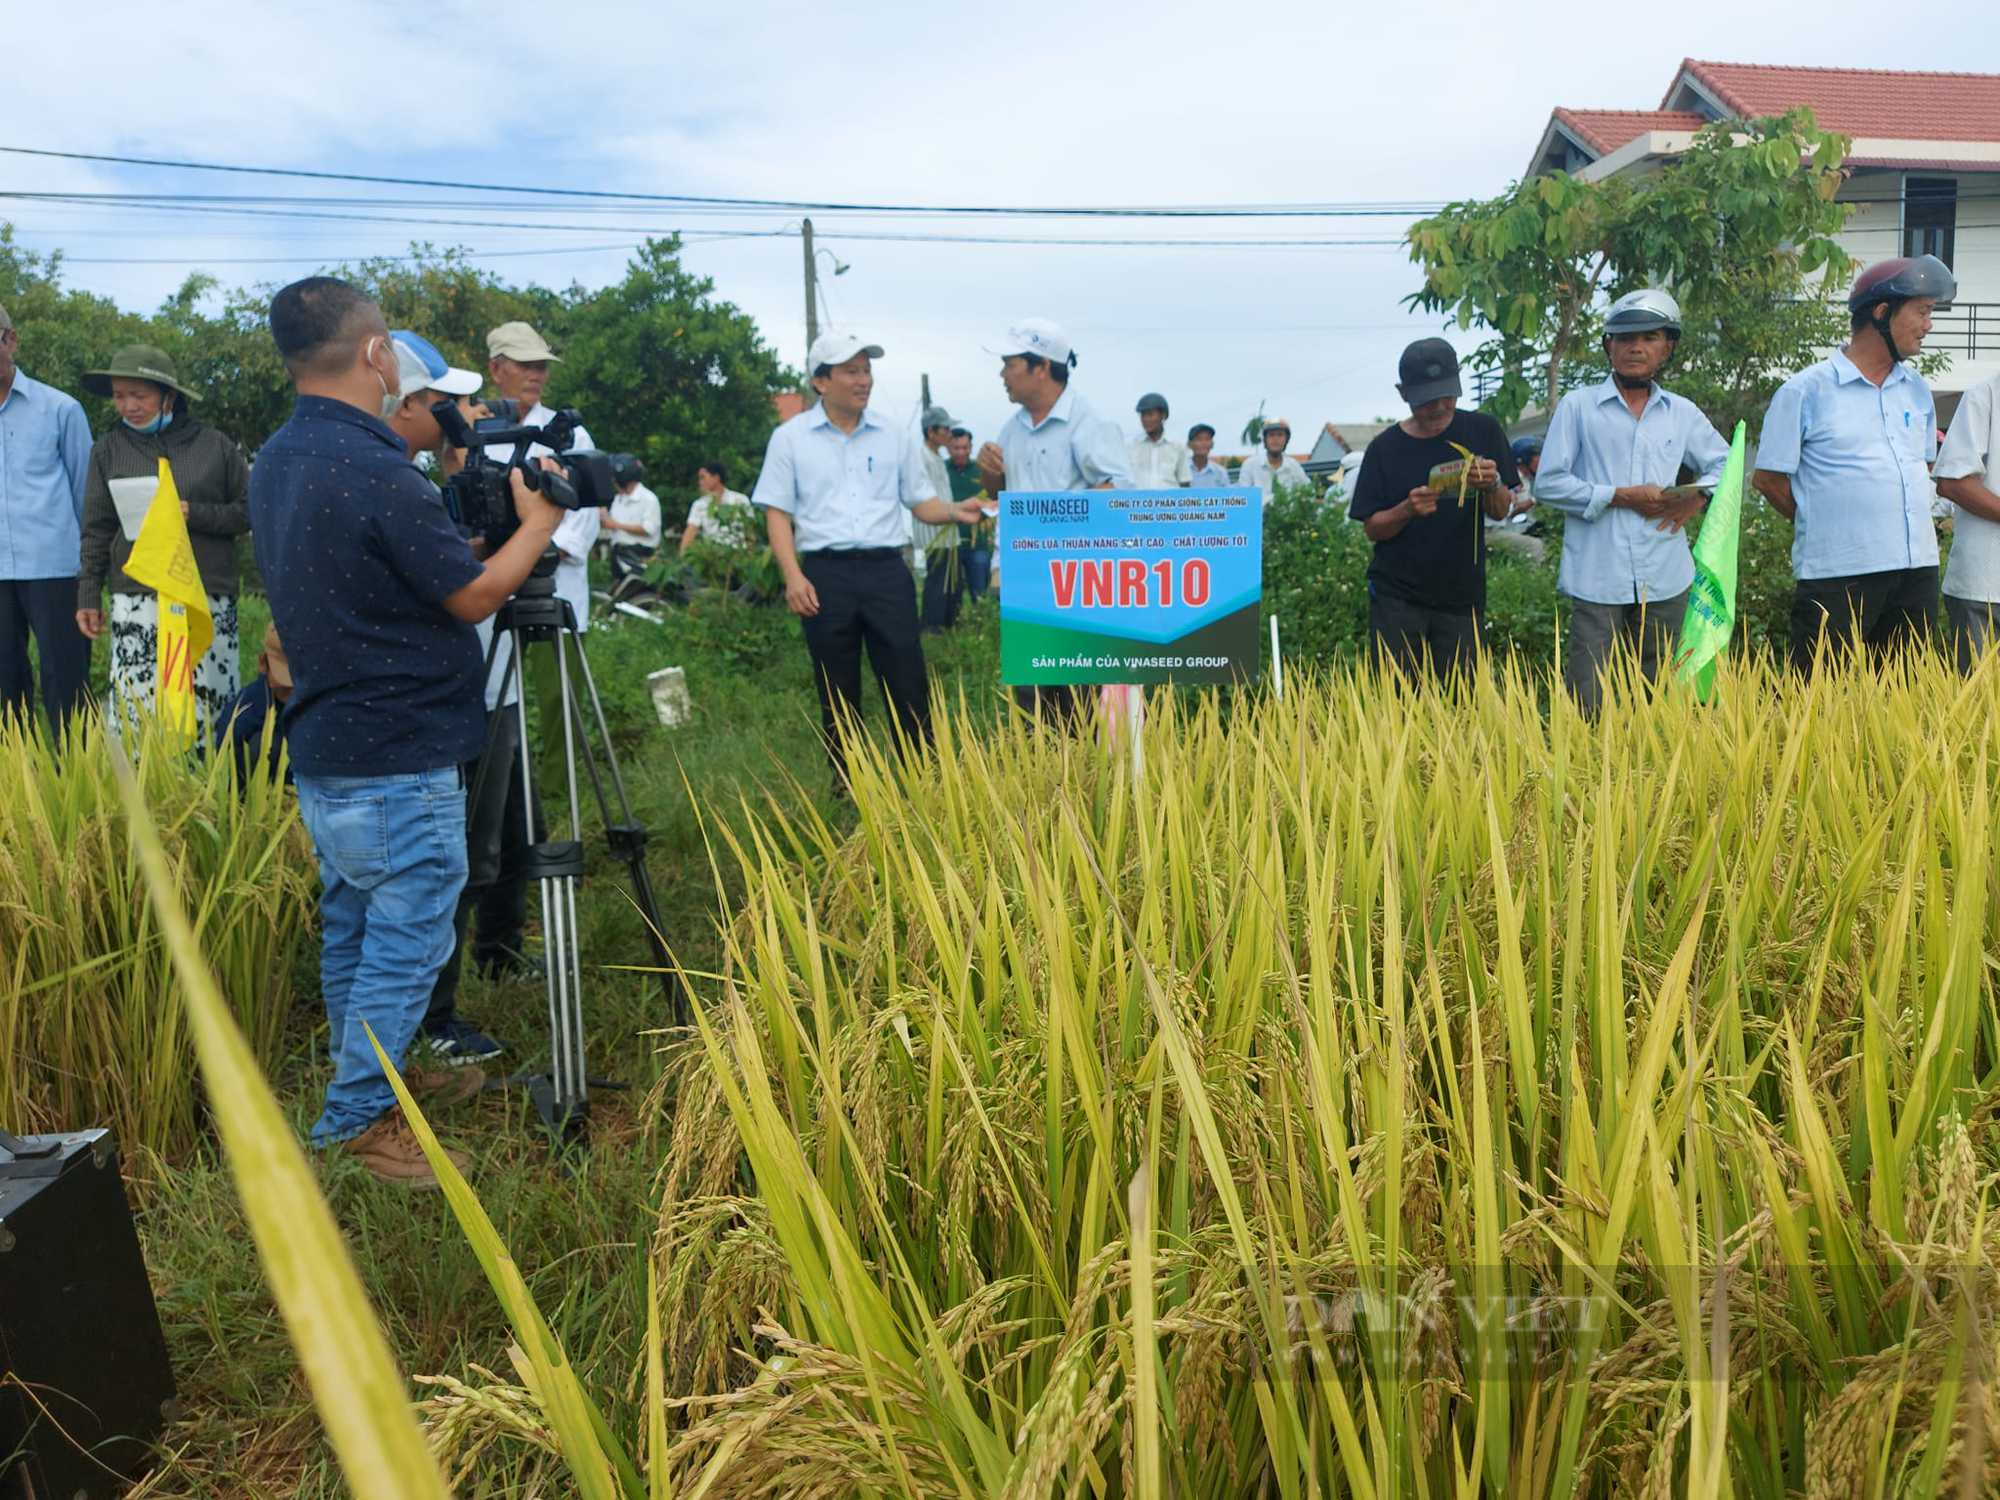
(536, 615)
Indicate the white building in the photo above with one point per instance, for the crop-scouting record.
(1923, 171)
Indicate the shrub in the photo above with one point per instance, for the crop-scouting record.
(1316, 582)
(91, 1027)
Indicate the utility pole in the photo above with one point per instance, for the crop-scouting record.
(927, 394)
(812, 298)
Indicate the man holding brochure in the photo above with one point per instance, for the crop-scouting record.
(1609, 463)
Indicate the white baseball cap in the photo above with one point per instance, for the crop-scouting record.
(1038, 336)
(834, 348)
(424, 369)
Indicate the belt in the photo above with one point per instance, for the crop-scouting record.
(857, 554)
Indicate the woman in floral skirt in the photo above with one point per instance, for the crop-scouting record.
(214, 484)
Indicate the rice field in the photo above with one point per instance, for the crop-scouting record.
(1378, 1092)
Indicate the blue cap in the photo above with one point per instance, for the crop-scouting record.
(424, 369)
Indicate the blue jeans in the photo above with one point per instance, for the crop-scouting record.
(391, 866)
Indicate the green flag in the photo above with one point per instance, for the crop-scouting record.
(1711, 611)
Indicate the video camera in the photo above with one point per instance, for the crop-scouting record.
(479, 497)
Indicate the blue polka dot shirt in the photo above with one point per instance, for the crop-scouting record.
(358, 557)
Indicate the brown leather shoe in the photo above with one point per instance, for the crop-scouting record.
(444, 1085)
(389, 1150)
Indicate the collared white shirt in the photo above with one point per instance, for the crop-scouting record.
(1159, 463)
(1072, 448)
(1209, 476)
(843, 490)
(712, 527)
(540, 416)
(1972, 448)
(1595, 447)
(1257, 470)
(1857, 454)
(925, 536)
(577, 532)
(640, 508)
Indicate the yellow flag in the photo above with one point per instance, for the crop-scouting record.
(163, 560)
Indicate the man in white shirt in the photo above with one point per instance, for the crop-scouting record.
(1272, 467)
(1968, 475)
(633, 521)
(838, 490)
(1158, 463)
(705, 519)
(518, 360)
(1054, 441)
(1203, 472)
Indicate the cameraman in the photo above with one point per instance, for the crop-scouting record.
(374, 593)
(518, 365)
(518, 360)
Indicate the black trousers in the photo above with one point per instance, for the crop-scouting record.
(44, 608)
(1415, 638)
(1879, 611)
(944, 587)
(495, 828)
(867, 600)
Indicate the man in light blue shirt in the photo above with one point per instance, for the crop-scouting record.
(1054, 441)
(1609, 462)
(44, 458)
(1845, 455)
(1203, 472)
(834, 491)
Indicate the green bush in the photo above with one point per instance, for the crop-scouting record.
(1316, 583)
(1316, 565)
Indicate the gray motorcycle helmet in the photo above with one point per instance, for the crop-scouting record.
(1643, 311)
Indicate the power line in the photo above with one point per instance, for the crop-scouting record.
(911, 236)
(790, 205)
(295, 260)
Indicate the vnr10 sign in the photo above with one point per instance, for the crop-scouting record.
(1130, 585)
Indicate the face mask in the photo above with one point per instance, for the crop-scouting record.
(158, 424)
(390, 400)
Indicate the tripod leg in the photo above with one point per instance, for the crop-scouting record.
(628, 840)
(571, 1084)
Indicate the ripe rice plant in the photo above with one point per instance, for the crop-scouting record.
(91, 1028)
(1380, 1093)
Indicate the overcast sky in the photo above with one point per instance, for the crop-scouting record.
(1159, 104)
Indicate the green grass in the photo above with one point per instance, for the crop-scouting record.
(250, 1430)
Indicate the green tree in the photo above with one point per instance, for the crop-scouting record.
(1740, 227)
(62, 332)
(657, 364)
(661, 368)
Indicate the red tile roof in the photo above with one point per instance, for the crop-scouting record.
(1605, 130)
(788, 404)
(1859, 101)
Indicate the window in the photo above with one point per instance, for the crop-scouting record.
(1930, 216)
